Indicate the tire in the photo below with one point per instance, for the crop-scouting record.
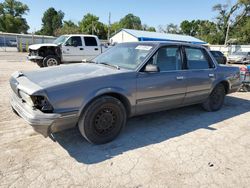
(216, 99)
(39, 63)
(103, 120)
(51, 60)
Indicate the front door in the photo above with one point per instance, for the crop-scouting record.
(72, 50)
(164, 89)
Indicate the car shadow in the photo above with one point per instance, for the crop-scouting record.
(150, 129)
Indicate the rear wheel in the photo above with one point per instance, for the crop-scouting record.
(103, 120)
(215, 99)
(51, 60)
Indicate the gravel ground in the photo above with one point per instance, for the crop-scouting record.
(185, 147)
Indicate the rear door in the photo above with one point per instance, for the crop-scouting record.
(200, 74)
(164, 89)
(72, 50)
(91, 47)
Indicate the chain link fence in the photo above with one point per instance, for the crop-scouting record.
(20, 42)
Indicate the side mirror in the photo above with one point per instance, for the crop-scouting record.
(151, 68)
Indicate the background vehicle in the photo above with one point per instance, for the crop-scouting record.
(239, 57)
(66, 48)
(128, 80)
(219, 56)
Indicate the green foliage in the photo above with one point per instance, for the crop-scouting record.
(230, 16)
(242, 31)
(131, 21)
(68, 27)
(51, 21)
(170, 28)
(90, 24)
(145, 27)
(11, 20)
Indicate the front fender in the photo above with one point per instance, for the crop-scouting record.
(105, 91)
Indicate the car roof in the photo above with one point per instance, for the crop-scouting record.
(163, 43)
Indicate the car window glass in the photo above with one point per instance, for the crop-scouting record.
(90, 41)
(167, 59)
(74, 41)
(196, 59)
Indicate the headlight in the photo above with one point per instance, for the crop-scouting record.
(42, 103)
(26, 98)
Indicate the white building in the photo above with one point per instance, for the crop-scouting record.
(130, 35)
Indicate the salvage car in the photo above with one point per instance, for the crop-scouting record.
(239, 57)
(66, 49)
(128, 80)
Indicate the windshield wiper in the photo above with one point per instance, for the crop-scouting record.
(111, 65)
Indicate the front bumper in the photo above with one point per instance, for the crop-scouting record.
(34, 58)
(43, 123)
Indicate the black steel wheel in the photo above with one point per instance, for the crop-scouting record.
(216, 99)
(103, 120)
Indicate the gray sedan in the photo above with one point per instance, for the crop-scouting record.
(127, 80)
(239, 57)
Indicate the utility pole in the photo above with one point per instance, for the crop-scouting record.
(228, 24)
(109, 25)
(92, 28)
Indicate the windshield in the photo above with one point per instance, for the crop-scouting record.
(240, 53)
(60, 39)
(126, 55)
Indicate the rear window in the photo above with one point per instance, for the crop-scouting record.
(197, 59)
(90, 41)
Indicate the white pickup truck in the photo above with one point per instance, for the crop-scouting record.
(65, 49)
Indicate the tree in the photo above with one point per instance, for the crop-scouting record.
(170, 28)
(230, 16)
(68, 27)
(145, 27)
(11, 20)
(189, 28)
(90, 24)
(115, 27)
(131, 21)
(52, 20)
(242, 32)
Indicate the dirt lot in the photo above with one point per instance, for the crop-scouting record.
(185, 147)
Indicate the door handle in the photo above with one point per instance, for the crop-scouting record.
(81, 48)
(211, 75)
(179, 77)
(96, 49)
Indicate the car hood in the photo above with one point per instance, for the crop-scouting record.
(63, 74)
(37, 46)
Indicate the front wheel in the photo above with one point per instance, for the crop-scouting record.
(51, 60)
(216, 99)
(103, 120)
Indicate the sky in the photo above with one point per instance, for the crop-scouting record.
(151, 12)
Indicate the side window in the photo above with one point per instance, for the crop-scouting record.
(197, 59)
(167, 59)
(74, 41)
(90, 41)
